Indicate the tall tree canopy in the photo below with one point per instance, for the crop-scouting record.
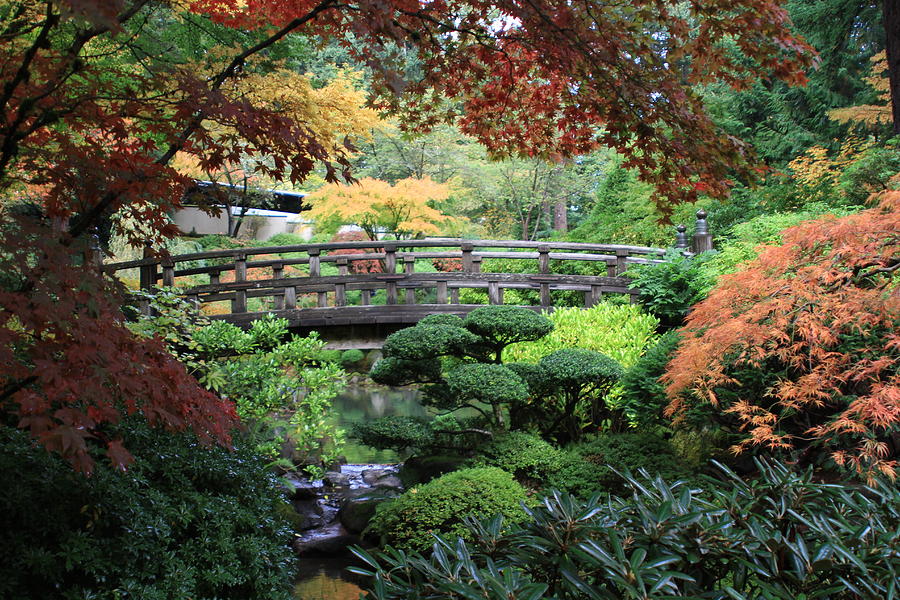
(98, 96)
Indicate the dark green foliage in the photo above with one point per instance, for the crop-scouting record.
(396, 371)
(591, 465)
(869, 174)
(428, 341)
(218, 242)
(351, 357)
(438, 507)
(781, 536)
(500, 326)
(529, 458)
(185, 521)
(644, 396)
(669, 289)
(441, 319)
(576, 368)
(393, 433)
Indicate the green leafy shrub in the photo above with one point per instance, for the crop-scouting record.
(352, 357)
(643, 395)
(780, 536)
(571, 395)
(268, 331)
(218, 242)
(224, 339)
(669, 289)
(529, 458)
(396, 371)
(620, 332)
(591, 465)
(185, 521)
(441, 319)
(393, 433)
(438, 507)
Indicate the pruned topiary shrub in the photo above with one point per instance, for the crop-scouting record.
(494, 385)
(428, 341)
(397, 371)
(438, 507)
(500, 326)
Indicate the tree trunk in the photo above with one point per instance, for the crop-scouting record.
(891, 12)
(561, 216)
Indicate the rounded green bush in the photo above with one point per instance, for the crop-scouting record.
(487, 383)
(577, 367)
(525, 455)
(353, 356)
(438, 507)
(428, 341)
(504, 325)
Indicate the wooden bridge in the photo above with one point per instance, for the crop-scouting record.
(350, 303)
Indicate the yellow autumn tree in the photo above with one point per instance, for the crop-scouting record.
(870, 115)
(404, 210)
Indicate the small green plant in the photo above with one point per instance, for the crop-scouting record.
(439, 507)
(528, 457)
(220, 339)
(268, 331)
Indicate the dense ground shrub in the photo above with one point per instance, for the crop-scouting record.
(643, 394)
(439, 507)
(781, 536)
(528, 457)
(596, 464)
(185, 521)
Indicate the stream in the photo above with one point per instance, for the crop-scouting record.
(368, 469)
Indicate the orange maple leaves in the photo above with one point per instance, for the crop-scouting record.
(822, 311)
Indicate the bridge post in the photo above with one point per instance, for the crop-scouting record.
(315, 270)
(340, 289)
(148, 278)
(467, 266)
(239, 304)
(702, 241)
(681, 241)
(545, 295)
(168, 272)
(409, 267)
(621, 264)
(495, 293)
(390, 258)
(278, 273)
(442, 291)
(592, 297)
(476, 264)
(544, 260)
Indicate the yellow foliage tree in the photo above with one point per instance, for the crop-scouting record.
(403, 210)
(870, 115)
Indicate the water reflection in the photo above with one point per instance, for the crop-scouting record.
(360, 403)
(326, 579)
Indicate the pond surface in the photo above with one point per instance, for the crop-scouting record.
(326, 578)
(360, 403)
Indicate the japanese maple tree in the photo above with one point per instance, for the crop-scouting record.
(817, 317)
(96, 101)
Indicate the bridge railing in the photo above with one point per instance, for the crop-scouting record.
(398, 277)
